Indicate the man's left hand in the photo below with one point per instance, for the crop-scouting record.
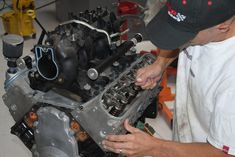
(135, 144)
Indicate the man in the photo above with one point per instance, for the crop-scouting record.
(204, 117)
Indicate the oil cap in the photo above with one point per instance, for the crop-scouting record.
(12, 46)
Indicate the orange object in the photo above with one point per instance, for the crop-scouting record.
(167, 113)
(82, 136)
(33, 116)
(30, 118)
(166, 95)
(75, 126)
(79, 134)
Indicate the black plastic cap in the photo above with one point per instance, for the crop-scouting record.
(12, 46)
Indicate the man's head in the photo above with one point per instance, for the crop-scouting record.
(180, 21)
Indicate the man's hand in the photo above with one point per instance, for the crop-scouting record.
(135, 144)
(148, 76)
(139, 144)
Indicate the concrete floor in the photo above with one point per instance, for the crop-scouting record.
(10, 145)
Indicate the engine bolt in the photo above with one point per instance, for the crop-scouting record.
(71, 132)
(116, 64)
(87, 87)
(52, 144)
(36, 154)
(13, 107)
(35, 124)
(61, 115)
(103, 133)
(37, 131)
(60, 80)
(37, 75)
(80, 107)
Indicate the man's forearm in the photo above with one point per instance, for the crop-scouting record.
(166, 57)
(169, 53)
(175, 149)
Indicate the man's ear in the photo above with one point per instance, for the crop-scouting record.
(224, 27)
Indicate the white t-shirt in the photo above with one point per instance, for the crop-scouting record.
(205, 99)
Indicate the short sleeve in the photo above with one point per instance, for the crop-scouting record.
(222, 127)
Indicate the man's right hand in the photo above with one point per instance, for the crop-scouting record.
(148, 76)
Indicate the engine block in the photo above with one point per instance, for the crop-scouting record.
(77, 86)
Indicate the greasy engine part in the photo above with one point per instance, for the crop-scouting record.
(54, 124)
(58, 109)
(93, 73)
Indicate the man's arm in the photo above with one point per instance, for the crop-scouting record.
(148, 76)
(174, 149)
(139, 144)
(166, 57)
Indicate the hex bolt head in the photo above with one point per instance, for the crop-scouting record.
(35, 124)
(13, 107)
(61, 115)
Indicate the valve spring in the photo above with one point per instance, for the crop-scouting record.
(115, 112)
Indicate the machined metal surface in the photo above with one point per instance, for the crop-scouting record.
(53, 135)
(19, 97)
(51, 97)
(20, 107)
(96, 117)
